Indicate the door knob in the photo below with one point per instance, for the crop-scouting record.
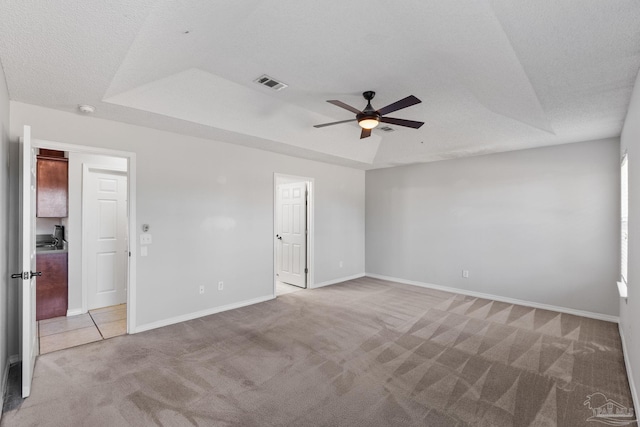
(279, 237)
(36, 273)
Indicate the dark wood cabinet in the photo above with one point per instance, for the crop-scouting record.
(52, 187)
(52, 295)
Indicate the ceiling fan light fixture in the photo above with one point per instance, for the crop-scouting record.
(368, 122)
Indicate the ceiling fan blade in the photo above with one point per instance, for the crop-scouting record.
(334, 123)
(366, 133)
(402, 122)
(343, 105)
(399, 105)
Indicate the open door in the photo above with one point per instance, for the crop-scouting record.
(28, 259)
(291, 253)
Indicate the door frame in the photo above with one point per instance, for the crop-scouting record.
(310, 226)
(131, 191)
(86, 167)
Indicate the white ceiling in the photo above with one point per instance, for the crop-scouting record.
(493, 75)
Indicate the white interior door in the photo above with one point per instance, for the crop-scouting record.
(104, 225)
(291, 236)
(28, 259)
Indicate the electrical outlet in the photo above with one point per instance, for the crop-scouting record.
(145, 239)
(201, 289)
(220, 286)
(465, 274)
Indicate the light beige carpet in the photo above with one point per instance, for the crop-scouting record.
(363, 353)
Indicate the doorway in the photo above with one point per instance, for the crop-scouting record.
(293, 233)
(97, 234)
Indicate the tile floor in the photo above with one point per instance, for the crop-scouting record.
(65, 332)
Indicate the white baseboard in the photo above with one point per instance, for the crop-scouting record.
(335, 281)
(575, 312)
(197, 314)
(74, 312)
(627, 363)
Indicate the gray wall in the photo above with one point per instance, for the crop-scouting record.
(210, 208)
(630, 308)
(5, 282)
(539, 225)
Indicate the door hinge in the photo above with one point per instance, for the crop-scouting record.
(306, 270)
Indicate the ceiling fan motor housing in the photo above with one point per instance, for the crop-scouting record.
(368, 114)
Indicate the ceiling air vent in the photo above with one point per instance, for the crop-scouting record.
(386, 128)
(267, 81)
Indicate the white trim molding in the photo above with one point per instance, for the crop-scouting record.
(627, 364)
(575, 312)
(75, 312)
(622, 289)
(202, 313)
(336, 281)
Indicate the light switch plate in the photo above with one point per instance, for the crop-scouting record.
(145, 239)
(144, 251)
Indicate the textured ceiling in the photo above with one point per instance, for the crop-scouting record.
(493, 75)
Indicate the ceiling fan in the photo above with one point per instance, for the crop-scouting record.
(370, 118)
